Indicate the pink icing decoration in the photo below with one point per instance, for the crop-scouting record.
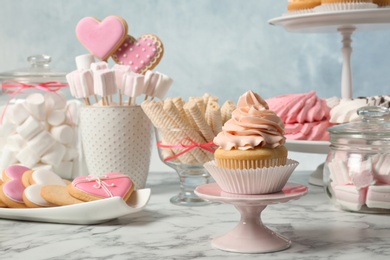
(252, 124)
(139, 55)
(14, 188)
(300, 108)
(101, 38)
(105, 186)
(308, 131)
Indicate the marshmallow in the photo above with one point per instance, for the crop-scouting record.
(41, 143)
(104, 82)
(56, 117)
(17, 113)
(84, 61)
(119, 71)
(80, 83)
(27, 157)
(15, 142)
(378, 196)
(63, 134)
(70, 154)
(64, 169)
(72, 112)
(163, 84)
(7, 128)
(35, 104)
(7, 157)
(349, 197)
(133, 84)
(41, 166)
(30, 128)
(339, 172)
(381, 167)
(55, 101)
(101, 65)
(151, 79)
(54, 155)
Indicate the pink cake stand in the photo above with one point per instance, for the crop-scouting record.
(251, 235)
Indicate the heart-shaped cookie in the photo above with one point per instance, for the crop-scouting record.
(32, 194)
(89, 188)
(141, 55)
(11, 191)
(101, 38)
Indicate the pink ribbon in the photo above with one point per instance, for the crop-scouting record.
(188, 147)
(14, 88)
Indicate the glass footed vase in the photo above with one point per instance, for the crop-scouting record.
(186, 151)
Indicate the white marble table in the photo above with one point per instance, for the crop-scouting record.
(317, 229)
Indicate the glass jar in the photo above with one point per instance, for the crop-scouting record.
(357, 169)
(38, 125)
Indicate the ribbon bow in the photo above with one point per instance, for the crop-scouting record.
(100, 183)
(187, 147)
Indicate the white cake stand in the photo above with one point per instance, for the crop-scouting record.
(343, 22)
(251, 235)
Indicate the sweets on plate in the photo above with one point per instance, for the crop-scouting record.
(11, 191)
(101, 38)
(305, 116)
(382, 3)
(251, 158)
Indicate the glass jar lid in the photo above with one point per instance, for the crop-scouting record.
(375, 123)
(39, 72)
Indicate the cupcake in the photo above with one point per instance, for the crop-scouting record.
(251, 158)
(298, 5)
(342, 5)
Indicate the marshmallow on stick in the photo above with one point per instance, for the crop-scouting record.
(104, 84)
(133, 86)
(120, 71)
(81, 84)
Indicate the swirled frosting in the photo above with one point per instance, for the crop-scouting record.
(300, 108)
(252, 125)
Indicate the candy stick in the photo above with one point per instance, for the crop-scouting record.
(104, 84)
(81, 84)
(133, 86)
(120, 70)
(151, 79)
(162, 86)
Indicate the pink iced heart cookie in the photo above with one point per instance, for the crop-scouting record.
(89, 188)
(101, 38)
(141, 55)
(40, 178)
(11, 191)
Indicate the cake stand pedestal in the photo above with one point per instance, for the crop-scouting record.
(251, 235)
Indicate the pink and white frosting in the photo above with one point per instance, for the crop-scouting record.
(252, 125)
(299, 108)
(106, 186)
(14, 188)
(308, 131)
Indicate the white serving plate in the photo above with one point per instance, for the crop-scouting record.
(93, 212)
(303, 146)
(361, 19)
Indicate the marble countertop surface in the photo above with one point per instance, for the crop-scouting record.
(318, 230)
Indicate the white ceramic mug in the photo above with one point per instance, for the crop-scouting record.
(117, 139)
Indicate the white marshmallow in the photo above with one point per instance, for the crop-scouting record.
(70, 154)
(56, 117)
(41, 166)
(7, 157)
(7, 128)
(27, 157)
(63, 134)
(163, 84)
(55, 101)
(30, 128)
(54, 155)
(104, 82)
(41, 143)
(64, 170)
(17, 113)
(15, 142)
(35, 104)
(73, 112)
(119, 71)
(84, 61)
(133, 84)
(101, 65)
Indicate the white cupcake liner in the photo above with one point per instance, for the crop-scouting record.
(252, 181)
(343, 7)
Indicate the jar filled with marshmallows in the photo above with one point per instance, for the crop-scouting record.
(38, 124)
(357, 169)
